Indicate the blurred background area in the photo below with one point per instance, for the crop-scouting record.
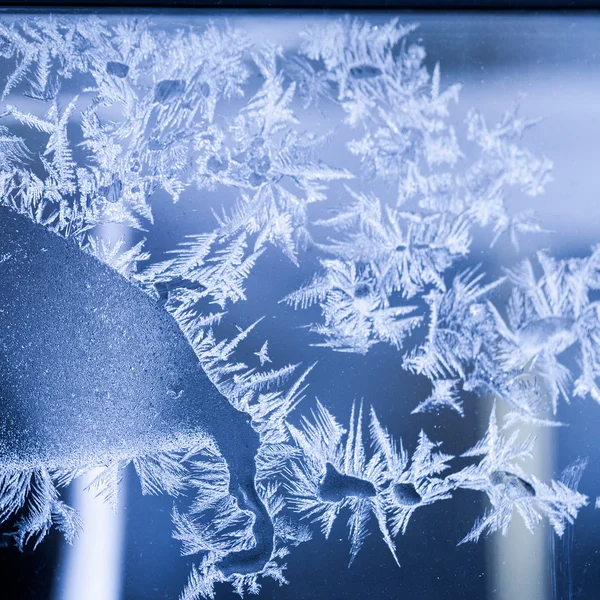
(550, 63)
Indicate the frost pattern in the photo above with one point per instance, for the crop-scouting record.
(35, 491)
(508, 488)
(389, 265)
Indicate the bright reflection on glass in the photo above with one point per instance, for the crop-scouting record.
(92, 565)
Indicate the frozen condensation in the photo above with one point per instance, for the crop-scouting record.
(114, 355)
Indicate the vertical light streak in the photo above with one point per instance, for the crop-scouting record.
(93, 565)
(92, 568)
(519, 563)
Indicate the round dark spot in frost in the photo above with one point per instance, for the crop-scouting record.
(256, 179)
(117, 69)
(365, 72)
(257, 143)
(405, 494)
(167, 89)
(155, 144)
(362, 290)
(260, 164)
(215, 165)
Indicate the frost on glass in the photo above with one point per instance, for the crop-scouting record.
(103, 119)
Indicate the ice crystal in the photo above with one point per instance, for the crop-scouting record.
(410, 483)
(457, 328)
(263, 354)
(35, 491)
(115, 255)
(546, 316)
(333, 473)
(405, 251)
(444, 394)
(213, 268)
(509, 488)
(355, 313)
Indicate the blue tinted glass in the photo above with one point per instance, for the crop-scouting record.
(302, 305)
